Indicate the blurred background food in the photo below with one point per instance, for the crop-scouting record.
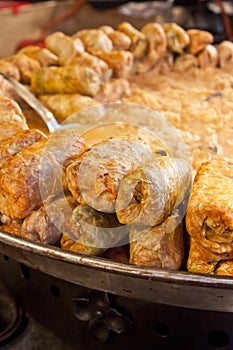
(38, 18)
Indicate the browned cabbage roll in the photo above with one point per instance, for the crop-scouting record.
(94, 39)
(12, 119)
(157, 47)
(113, 91)
(138, 40)
(208, 57)
(120, 41)
(225, 53)
(10, 69)
(37, 172)
(184, 62)
(68, 79)
(95, 178)
(199, 39)
(148, 195)
(26, 65)
(160, 246)
(63, 46)
(200, 259)
(45, 224)
(120, 61)
(13, 227)
(10, 111)
(71, 51)
(44, 56)
(19, 141)
(209, 218)
(64, 105)
(177, 38)
(9, 129)
(90, 232)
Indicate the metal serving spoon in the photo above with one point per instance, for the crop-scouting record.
(27, 96)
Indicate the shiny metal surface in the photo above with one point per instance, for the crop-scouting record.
(146, 284)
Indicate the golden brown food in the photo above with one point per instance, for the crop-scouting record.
(11, 112)
(94, 39)
(65, 105)
(71, 51)
(68, 79)
(138, 40)
(98, 65)
(120, 61)
(26, 66)
(225, 52)
(201, 260)
(10, 69)
(8, 130)
(209, 218)
(90, 232)
(157, 40)
(208, 57)
(113, 91)
(37, 172)
(149, 194)
(120, 40)
(45, 224)
(13, 227)
(199, 39)
(44, 56)
(184, 62)
(95, 178)
(19, 141)
(160, 246)
(177, 38)
(63, 46)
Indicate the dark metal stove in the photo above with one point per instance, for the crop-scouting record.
(52, 314)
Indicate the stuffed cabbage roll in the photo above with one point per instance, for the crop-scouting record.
(177, 38)
(44, 56)
(64, 105)
(138, 40)
(225, 53)
(120, 61)
(95, 178)
(68, 79)
(45, 224)
(19, 141)
(148, 195)
(10, 69)
(10, 112)
(209, 218)
(63, 46)
(37, 172)
(160, 246)
(91, 232)
(199, 39)
(120, 40)
(26, 66)
(94, 39)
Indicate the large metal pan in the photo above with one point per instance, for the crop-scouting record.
(147, 284)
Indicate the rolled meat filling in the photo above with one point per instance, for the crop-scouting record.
(148, 195)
